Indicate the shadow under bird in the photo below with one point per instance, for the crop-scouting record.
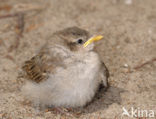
(66, 72)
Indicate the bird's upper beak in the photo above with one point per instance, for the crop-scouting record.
(92, 39)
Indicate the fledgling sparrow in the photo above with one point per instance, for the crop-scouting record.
(66, 72)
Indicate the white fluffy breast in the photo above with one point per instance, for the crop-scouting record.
(69, 87)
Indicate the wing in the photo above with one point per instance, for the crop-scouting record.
(38, 67)
(33, 69)
(104, 74)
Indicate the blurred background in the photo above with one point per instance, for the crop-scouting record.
(128, 50)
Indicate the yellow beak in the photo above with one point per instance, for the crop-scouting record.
(92, 39)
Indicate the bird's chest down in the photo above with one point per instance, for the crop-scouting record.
(77, 83)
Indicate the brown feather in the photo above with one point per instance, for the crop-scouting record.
(33, 70)
(106, 71)
(39, 66)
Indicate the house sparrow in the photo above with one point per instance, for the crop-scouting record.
(66, 72)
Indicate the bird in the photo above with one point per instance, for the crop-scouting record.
(66, 71)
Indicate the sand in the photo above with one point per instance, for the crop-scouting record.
(129, 29)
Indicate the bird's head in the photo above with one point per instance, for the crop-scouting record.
(78, 40)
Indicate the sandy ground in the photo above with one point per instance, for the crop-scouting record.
(129, 31)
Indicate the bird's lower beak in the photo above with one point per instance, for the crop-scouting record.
(92, 39)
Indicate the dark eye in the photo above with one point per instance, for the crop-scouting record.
(80, 41)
